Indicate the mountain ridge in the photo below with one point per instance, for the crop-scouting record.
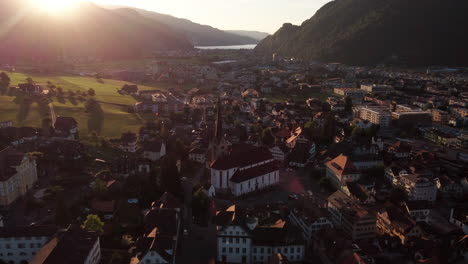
(363, 32)
(95, 32)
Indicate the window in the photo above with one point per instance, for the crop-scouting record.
(237, 240)
(261, 250)
(237, 250)
(224, 240)
(292, 250)
(31, 245)
(21, 245)
(269, 250)
(255, 250)
(224, 250)
(7, 246)
(244, 240)
(230, 250)
(285, 250)
(244, 250)
(230, 240)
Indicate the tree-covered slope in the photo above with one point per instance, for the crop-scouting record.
(417, 32)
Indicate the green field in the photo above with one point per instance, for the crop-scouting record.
(113, 121)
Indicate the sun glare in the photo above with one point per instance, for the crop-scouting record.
(54, 6)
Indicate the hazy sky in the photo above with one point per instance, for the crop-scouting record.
(262, 15)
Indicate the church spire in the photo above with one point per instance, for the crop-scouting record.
(219, 122)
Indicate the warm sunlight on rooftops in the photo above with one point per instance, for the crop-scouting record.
(55, 6)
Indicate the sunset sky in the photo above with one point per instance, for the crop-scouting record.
(262, 15)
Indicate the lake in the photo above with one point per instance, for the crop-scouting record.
(234, 47)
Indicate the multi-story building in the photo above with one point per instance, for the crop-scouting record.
(375, 116)
(21, 244)
(18, 174)
(356, 94)
(356, 221)
(242, 240)
(440, 116)
(377, 88)
(412, 118)
(244, 170)
(310, 219)
(73, 245)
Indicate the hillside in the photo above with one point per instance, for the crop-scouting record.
(91, 30)
(200, 35)
(257, 35)
(417, 32)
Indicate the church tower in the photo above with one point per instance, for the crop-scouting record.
(219, 146)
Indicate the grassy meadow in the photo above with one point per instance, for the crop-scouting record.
(110, 122)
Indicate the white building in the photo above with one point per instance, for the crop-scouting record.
(154, 150)
(244, 170)
(310, 219)
(377, 88)
(241, 240)
(375, 116)
(18, 174)
(21, 244)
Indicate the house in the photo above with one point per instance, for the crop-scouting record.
(355, 220)
(459, 217)
(299, 157)
(394, 221)
(66, 126)
(245, 169)
(21, 244)
(30, 88)
(154, 150)
(419, 210)
(129, 89)
(18, 174)
(341, 170)
(400, 150)
(310, 218)
(74, 245)
(163, 223)
(449, 187)
(296, 137)
(279, 152)
(128, 142)
(198, 155)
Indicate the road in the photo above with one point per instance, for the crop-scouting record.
(53, 115)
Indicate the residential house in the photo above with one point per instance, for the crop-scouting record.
(128, 142)
(355, 220)
(341, 170)
(154, 150)
(198, 155)
(66, 127)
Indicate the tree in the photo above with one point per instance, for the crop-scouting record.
(200, 205)
(93, 223)
(62, 216)
(267, 137)
(99, 187)
(91, 92)
(30, 80)
(170, 176)
(348, 104)
(4, 81)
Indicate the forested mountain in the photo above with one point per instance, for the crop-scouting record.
(416, 32)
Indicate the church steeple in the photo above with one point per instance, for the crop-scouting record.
(219, 122)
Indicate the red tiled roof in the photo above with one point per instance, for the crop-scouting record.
(244, 175)
(342, 165)
(242, 156)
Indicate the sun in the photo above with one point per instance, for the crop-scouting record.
(54, 6)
